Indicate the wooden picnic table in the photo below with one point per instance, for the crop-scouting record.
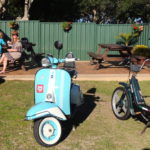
(116, 47)
(124, 51)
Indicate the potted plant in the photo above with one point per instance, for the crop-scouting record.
(13, 25)
(67, 26)
(137, 28)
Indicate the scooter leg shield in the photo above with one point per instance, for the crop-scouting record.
(44, 109)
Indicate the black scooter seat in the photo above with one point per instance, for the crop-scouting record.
(71, 72)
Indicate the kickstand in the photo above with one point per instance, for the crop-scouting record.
(146, 126)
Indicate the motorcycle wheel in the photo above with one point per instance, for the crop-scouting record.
(47, 131)
(120, 104)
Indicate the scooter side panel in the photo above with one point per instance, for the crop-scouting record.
(53, 85)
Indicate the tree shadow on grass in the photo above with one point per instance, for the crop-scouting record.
(2, 80)
(82, 113)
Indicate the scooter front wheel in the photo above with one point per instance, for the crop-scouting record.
(47, 131)
(120, 104)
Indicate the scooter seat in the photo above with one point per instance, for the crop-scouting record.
(72, 73)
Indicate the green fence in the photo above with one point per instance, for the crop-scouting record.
(82, 38)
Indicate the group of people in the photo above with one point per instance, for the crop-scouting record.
(13, 50)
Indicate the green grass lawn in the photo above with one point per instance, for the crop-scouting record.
(97, 128)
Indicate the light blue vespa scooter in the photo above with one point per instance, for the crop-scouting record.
(55, 93)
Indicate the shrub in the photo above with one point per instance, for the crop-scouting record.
(141, 50)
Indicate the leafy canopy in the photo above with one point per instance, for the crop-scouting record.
(99, 11)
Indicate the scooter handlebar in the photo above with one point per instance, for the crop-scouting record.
(136, 68)
(147, 59)
(69, 59)
(55, 61)
(77, 59)
(144, 63)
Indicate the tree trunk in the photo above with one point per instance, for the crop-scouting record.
(27, 6)
(3, 3)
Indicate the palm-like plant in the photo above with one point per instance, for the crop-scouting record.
(127, 39)
(132, 38)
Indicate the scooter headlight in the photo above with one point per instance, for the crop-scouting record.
(45, 62)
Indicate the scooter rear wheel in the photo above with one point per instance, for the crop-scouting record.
(120, 104)
(47, 131)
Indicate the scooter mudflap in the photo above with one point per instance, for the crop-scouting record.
(45, 109)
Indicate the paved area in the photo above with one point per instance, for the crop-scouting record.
(86, 77)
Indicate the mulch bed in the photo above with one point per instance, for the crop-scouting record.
(84, 67)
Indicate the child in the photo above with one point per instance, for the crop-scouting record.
(2, 42)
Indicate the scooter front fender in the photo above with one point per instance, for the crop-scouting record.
(125, 85)
(127, 88)
(44, 109)
(129, 96)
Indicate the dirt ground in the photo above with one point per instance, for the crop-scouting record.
(84, 67)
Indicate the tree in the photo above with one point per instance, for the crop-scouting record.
(117, 11)
(27, 5)
(54, 10)
(133, 9)
(99, 11)
(13, 9)
(3, 4)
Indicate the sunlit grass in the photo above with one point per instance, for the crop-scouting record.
(99, 131)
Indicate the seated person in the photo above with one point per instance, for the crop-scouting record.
(12, 53)
(2, 42)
